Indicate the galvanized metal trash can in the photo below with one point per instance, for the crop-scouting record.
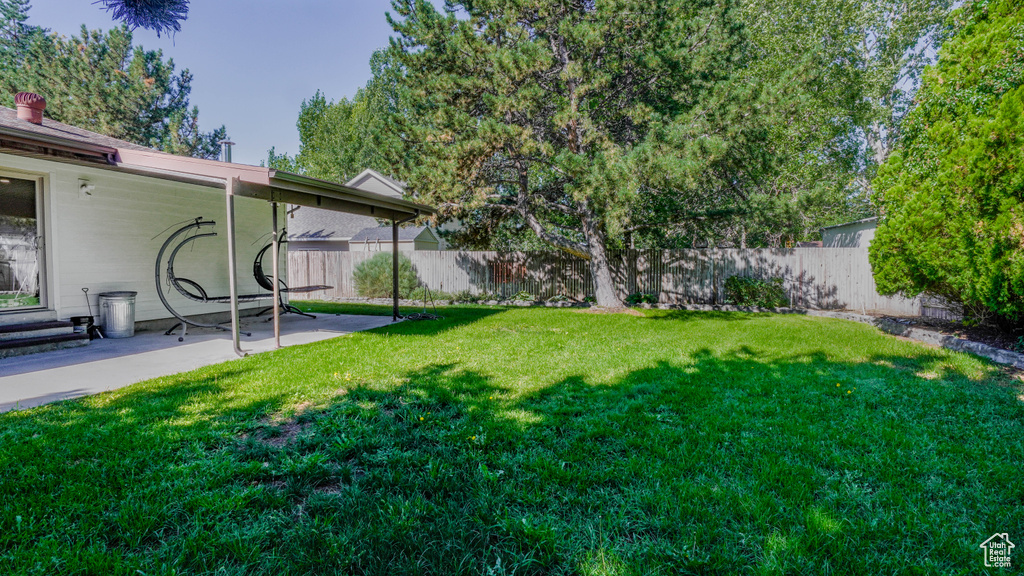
(117, 314)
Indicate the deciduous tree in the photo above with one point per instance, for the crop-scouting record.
(340, 139)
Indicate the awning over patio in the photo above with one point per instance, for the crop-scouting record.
(270, 184)
(276, 186)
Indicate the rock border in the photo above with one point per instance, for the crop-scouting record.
(932, 337)
(887, 325)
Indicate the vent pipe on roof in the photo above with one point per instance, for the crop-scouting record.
(30, 107)
(225, 150)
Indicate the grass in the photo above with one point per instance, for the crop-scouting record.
(18, 300)
(531, 441)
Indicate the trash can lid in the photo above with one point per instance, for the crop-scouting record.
(117, 294)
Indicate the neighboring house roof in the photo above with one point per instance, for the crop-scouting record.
(363, 177)
(311, 224)
(383, 234)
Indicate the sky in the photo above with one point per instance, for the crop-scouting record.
(254, 61)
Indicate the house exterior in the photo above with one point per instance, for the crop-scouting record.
(68, 222)
(856, 234)
(79, 210)
(380, 238)
(324, 230)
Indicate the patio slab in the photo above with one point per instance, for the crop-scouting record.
(108, 364)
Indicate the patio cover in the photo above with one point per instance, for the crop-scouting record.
(63, 143)
(276, 186)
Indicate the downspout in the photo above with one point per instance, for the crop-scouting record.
(277, 286)
(229, 193)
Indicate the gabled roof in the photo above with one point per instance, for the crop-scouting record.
(361, 181)
(383, 234)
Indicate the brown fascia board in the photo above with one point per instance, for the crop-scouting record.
(252, 181)
(52, 146)
(153, 159)
(313, 197)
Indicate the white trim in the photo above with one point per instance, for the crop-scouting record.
(354, 183)
(43, 227)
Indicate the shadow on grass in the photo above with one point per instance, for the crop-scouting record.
(694, 315)
(451, 316)
(727, 463)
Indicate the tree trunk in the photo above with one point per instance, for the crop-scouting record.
(600, 270)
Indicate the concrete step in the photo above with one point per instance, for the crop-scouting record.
(24, 346)
(8, 318)
(21, 339)
(35, 330)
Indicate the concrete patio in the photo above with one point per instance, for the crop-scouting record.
(108, 364)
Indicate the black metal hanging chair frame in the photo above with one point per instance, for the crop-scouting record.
(189, 288)
(267, 283)
(192, 290)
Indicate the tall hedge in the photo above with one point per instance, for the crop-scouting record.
(951, 197)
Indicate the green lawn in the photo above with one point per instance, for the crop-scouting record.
(531, 441)
(18, 300)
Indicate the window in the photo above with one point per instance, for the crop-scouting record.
(20, 243)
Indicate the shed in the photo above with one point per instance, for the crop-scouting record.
(857, 234)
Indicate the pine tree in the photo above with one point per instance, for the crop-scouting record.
(161, 16)
(102, 82)
(577, 119)
(15, 36)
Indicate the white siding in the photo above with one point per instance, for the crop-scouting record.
(106, 242)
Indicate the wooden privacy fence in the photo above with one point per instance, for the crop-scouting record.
(822, 278)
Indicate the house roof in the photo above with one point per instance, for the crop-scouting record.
(60, 142)
(50, 128)
(383, 234)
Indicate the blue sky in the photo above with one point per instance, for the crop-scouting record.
(255, 61)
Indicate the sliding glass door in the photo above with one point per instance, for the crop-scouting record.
(20, 244)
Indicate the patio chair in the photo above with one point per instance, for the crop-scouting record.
(267, 283)
(190, 288)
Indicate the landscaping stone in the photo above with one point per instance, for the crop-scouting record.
(928, 337)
